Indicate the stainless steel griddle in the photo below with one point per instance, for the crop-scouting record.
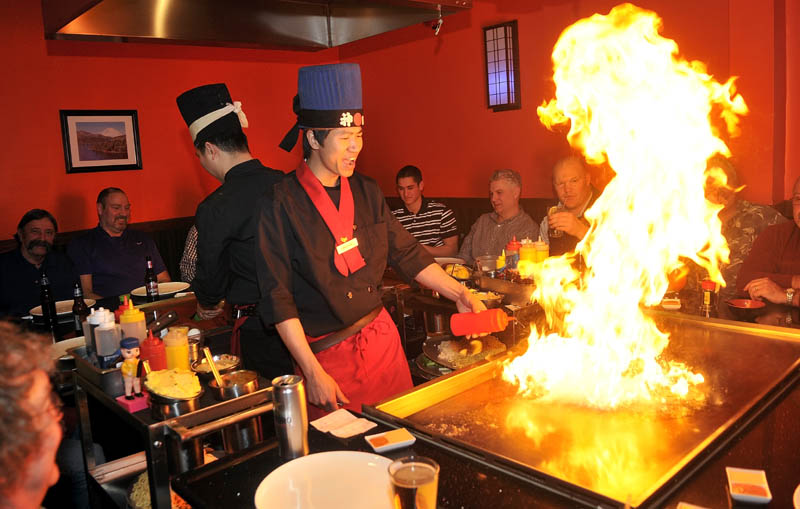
(607, 458)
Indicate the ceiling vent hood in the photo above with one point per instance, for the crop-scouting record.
(287, 24)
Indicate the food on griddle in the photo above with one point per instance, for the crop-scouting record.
(486, 295)
(461, 353)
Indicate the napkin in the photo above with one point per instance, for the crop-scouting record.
(342, 424)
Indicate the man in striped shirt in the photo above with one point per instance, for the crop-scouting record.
(431, 223)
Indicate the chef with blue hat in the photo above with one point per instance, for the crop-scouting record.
(325, 236)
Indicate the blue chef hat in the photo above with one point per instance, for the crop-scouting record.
(328, 96)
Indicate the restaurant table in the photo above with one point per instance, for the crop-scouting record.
(771, 442)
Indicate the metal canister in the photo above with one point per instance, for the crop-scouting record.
(245, 434)
(291, 416)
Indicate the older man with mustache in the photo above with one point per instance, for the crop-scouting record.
(110, 259)
(21, 269)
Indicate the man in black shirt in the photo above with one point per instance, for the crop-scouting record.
(325, 237)
(226, 227)
(21, 269)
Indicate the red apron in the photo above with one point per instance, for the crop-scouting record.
(369, 366)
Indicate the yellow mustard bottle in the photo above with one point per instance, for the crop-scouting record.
(176, 346)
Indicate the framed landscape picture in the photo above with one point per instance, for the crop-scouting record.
(100, 140)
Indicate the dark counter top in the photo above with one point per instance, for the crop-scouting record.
(771, 443)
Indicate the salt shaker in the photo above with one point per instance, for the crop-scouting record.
(291, 416)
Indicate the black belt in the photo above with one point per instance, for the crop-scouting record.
(334, 338)
(240, 310)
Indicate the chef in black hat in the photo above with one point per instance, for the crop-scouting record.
(325, 238)
(226, 228)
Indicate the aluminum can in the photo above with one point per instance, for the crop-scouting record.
(291, 416)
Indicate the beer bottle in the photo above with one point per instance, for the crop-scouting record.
(79, 309)
(150, 281)
(48, 304)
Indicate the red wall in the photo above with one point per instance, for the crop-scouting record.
(425, 96)
(45, 76)
(793, 94)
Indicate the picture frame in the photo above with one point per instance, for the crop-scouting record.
(100, 140)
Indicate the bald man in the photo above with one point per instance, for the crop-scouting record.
(575, 192)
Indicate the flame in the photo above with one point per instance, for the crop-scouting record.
(629, 100)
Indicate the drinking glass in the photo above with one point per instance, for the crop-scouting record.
(415, 481)
(554, 233)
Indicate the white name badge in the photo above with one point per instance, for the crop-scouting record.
(347, 246)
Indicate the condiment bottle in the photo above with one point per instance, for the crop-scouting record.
(107, 341)
(512, 252)
(95, 318)
(708, 307)
(152, 349)
(176, 345)
(488, 321)
(133, 323)
(542, 250)
(527, 251)
(79, 309)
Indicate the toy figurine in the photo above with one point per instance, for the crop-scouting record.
(131, 367)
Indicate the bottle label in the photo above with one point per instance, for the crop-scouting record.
(152, 288)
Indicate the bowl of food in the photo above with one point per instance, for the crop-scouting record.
(234, 384)
(173, 392)
(458, 271)
(225, 363)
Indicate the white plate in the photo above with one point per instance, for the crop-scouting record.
(444, 260)
(59, 349)
(329, 480)
(63, 307)
(163, 289)
(796, 498)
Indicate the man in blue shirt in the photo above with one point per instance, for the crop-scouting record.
(110, 259)
(21, 269)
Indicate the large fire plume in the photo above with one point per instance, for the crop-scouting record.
(630, 100)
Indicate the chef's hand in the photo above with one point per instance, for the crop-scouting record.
(208, 313)
(568, 223)
(469, 303)
(323, 391)
(764, 288)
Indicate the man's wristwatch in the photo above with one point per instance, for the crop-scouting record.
(789, 296)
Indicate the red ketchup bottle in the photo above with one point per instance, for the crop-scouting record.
(152, 350)
(489, 321)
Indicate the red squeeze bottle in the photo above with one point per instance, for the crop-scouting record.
(488, 321)
(152, 350)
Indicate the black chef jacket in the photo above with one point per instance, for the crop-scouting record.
(226, 230)
(295, 268)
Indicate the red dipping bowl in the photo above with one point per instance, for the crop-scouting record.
(745, 309)
(746, 304)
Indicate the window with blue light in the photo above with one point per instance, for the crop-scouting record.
(502, 66)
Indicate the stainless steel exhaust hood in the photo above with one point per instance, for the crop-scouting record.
(286, 24)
